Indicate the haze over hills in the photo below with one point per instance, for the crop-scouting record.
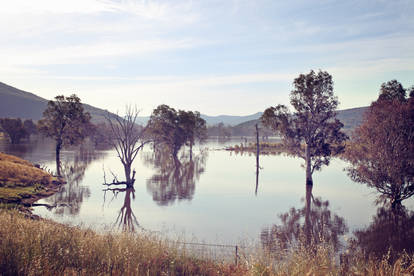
(16, 103)
(351, 118)
(225, 119)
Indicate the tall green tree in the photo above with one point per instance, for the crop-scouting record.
(173, 128)
(30, 127)
(312, 131)
(194, 127)
(392, 90)
(381, 151)
(14, 129)
(65, 121)
(165, 129)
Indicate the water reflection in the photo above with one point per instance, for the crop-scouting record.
(36, 150)
(174, 178)
(126, 219)
(69, 198)
(391, 232)
(310, 225)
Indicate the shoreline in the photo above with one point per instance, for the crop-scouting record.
(22, 183)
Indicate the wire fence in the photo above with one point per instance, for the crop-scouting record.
(213, 251)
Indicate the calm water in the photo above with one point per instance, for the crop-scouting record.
(210, 199)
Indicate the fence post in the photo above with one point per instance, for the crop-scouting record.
(237, 255)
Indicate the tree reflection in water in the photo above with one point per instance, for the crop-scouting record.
(391, 232)
(69, 198)
(309, 226)
(175, 178)
(126, 220)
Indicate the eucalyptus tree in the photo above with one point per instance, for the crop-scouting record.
(14, 128)
(172, 128)
(165, 129)
(312, 131)
(194, 127)
(65, 121)
(381, 151)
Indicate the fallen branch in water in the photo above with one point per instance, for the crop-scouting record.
(116, 182)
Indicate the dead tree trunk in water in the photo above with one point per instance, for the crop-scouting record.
(128, 139)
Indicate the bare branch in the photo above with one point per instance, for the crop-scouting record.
(128, 138)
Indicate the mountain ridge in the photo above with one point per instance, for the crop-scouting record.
(17, 103)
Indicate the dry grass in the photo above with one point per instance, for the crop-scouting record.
(18, 172)
(13, 159)
(40, 247)
(21, 180)
(321, 260)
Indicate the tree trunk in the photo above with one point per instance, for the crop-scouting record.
(396, 203)
(308, 224)
(309, 180)
(58, 148)
(257, 158)
(127, 169)
(191, 151)
(175, 152)
(257, 177)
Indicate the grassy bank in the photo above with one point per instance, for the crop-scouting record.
(23, 183)
(41, 247)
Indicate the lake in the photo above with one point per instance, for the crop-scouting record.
(212, 199)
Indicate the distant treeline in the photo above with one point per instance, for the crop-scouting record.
(17, 130)
(243, 129)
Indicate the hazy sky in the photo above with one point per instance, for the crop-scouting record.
(218, 57)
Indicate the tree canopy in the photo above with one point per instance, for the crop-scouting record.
(312, 131)
(14, 128)
(30, 127)
(65, 121)
(392, 90)
(381, 151)
(175, 128)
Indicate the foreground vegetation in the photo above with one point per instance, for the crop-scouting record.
(41, 247)
(22, 182)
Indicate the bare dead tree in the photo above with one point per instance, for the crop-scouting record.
(127, 139)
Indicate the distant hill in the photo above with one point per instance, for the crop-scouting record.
(228, 120)
(16, 103)
(351, 118)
